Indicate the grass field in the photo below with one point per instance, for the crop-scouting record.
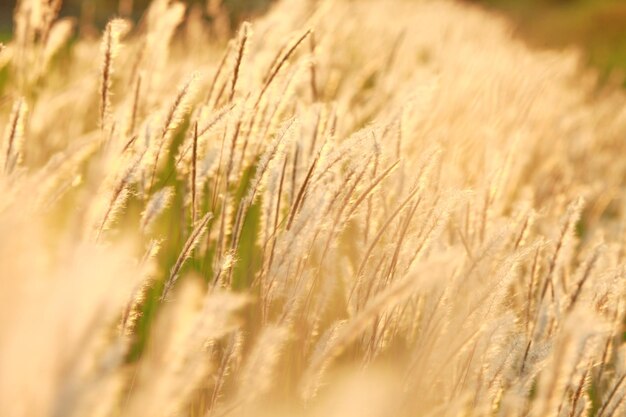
(338, 208)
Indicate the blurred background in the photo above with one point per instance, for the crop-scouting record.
(597, 26)
(102, 10)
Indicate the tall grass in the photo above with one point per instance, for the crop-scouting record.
(377, 208)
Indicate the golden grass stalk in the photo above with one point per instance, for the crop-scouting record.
(110, 48)
(158, 202)
(173, 118)
(13, 143)
(244, 34)
(190, 244)
(118, 194)
(194, 162)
